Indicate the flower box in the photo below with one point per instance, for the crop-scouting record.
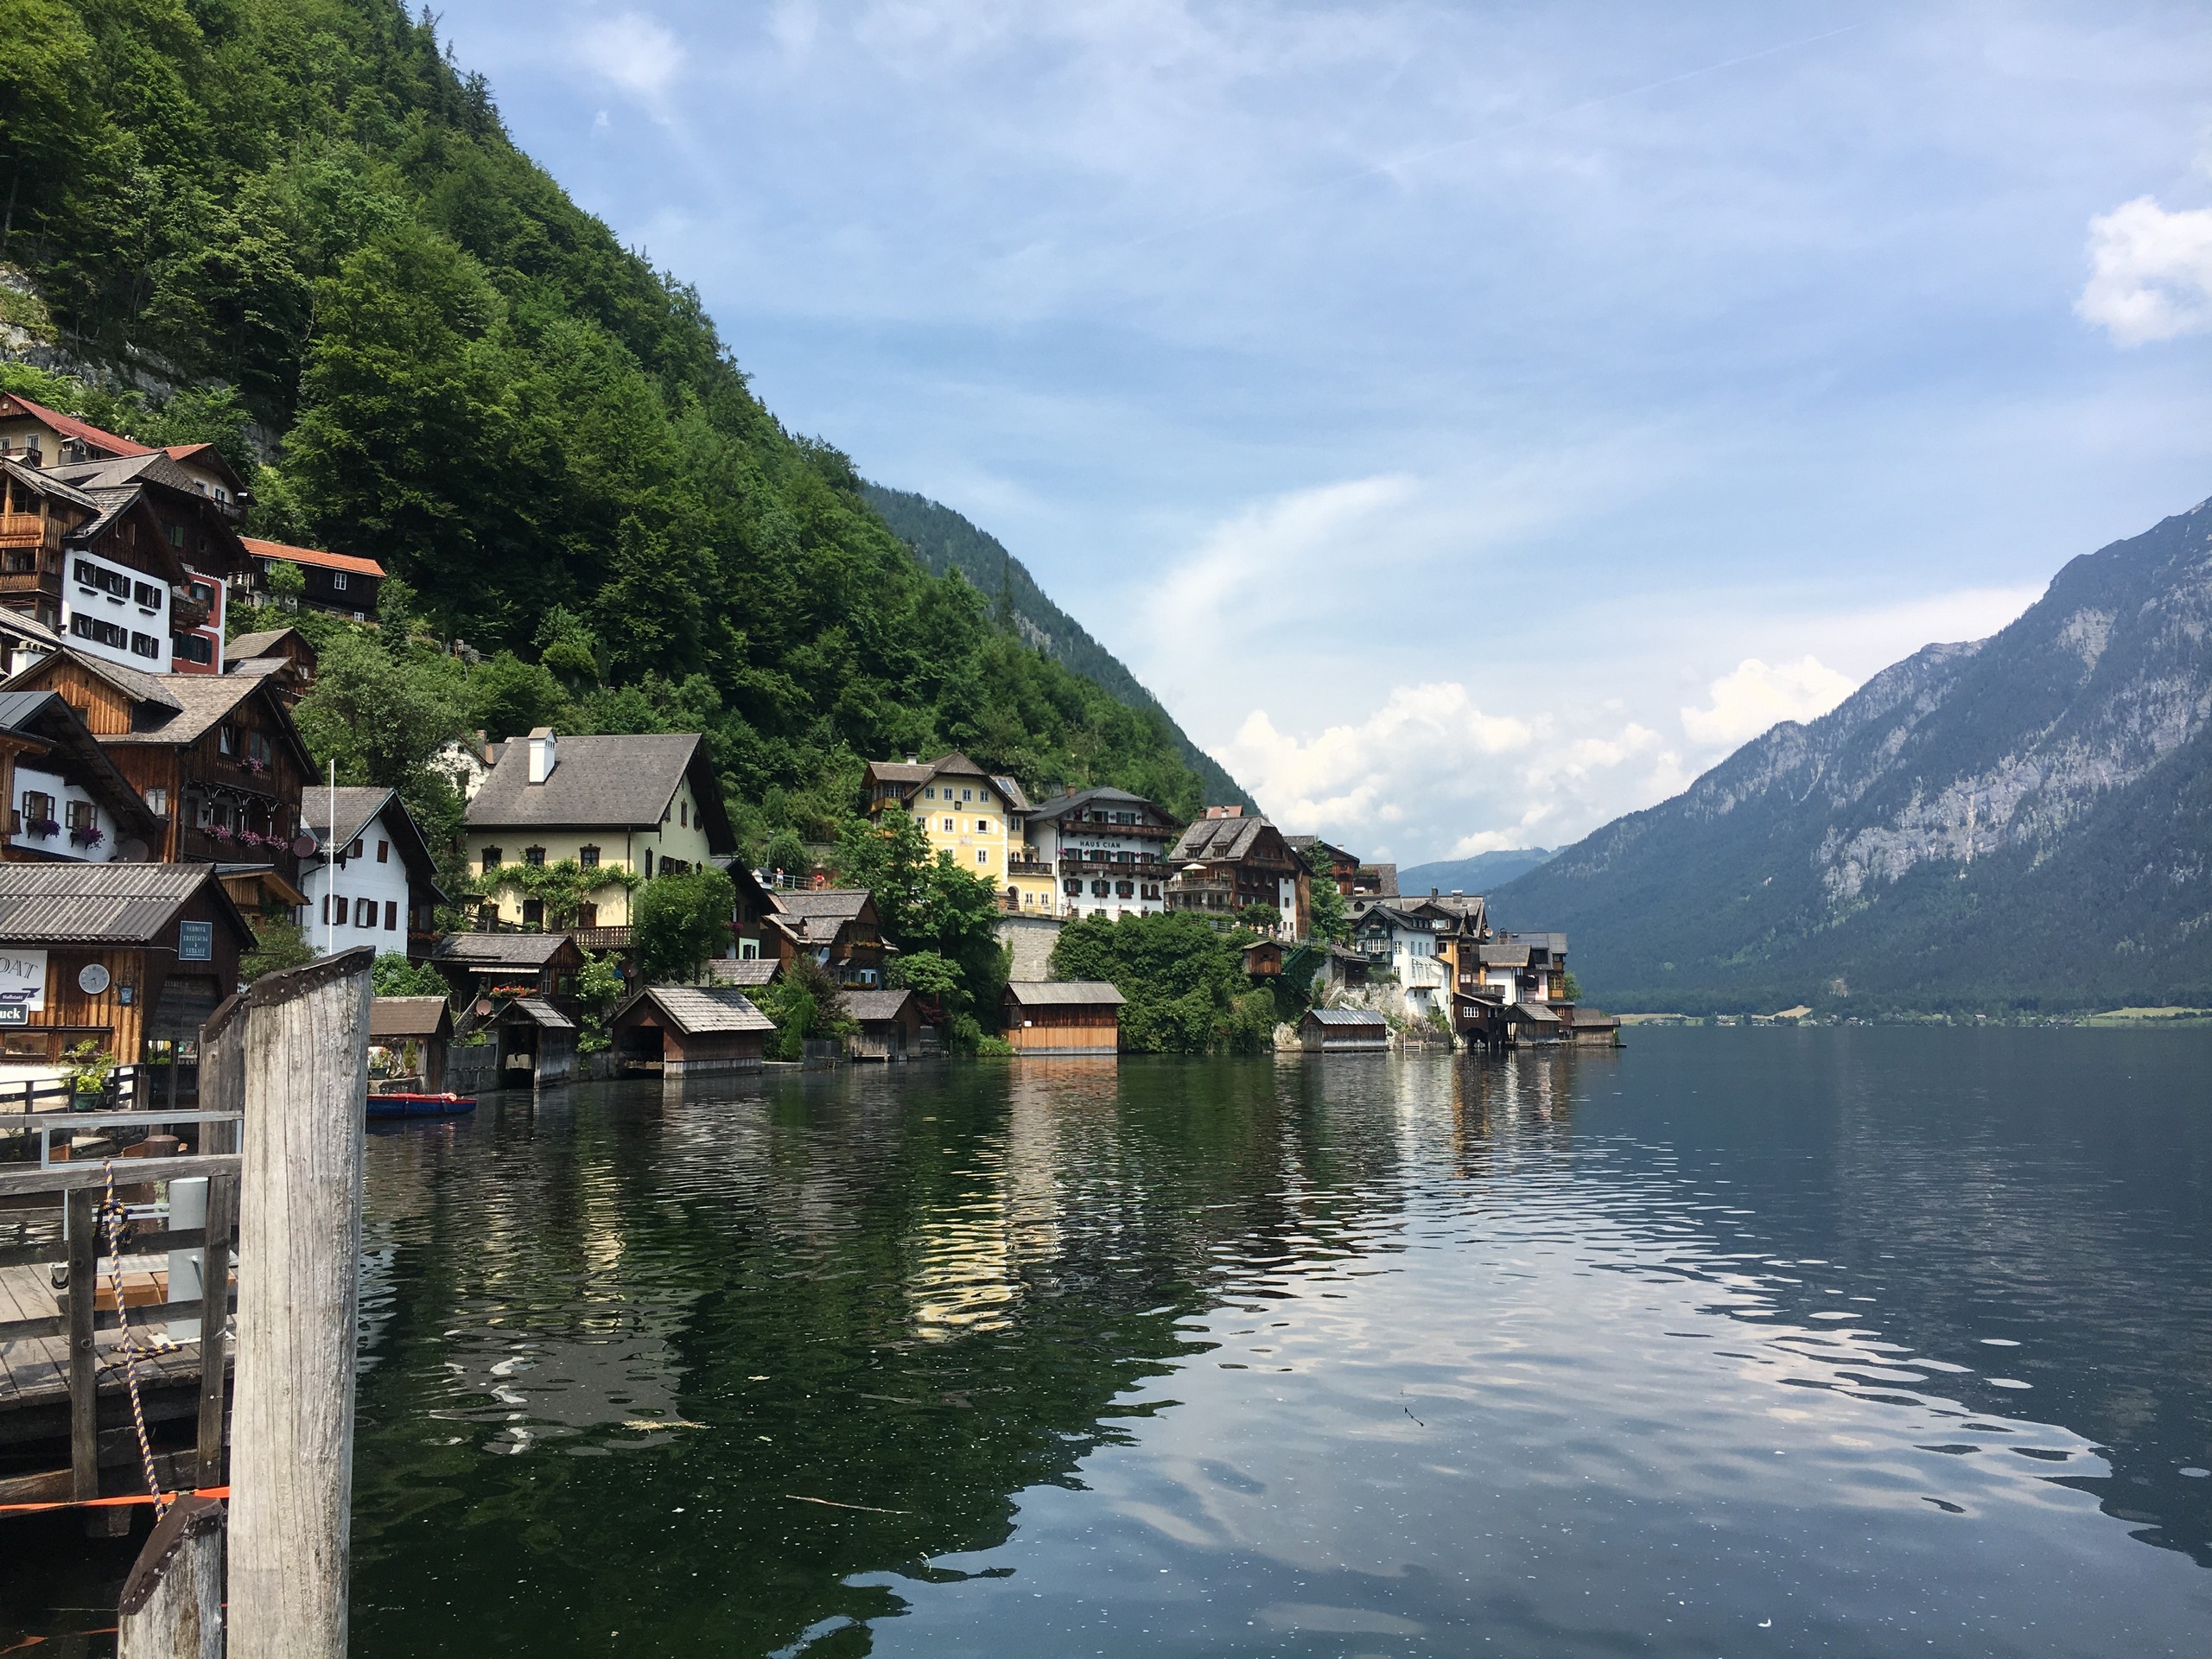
(42, 826)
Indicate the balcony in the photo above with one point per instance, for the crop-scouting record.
(1029, 867)
(30, 529)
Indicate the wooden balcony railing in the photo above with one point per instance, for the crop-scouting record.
(29, 530)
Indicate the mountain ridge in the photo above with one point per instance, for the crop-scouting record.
(2016, 822)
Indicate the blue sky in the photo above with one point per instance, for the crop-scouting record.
(1471, 421)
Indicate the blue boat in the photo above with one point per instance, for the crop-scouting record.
(421, 1105)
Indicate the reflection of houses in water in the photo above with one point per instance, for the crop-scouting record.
(975, 1258)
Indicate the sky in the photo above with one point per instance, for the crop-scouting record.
(1471, 421)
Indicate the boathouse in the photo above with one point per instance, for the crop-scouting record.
(681, 1030)
(535, 1043)
(1337, 1031)
(483, 966)
(412, 1031)
(1073, 1016)
(890, 1024)
(112, 954)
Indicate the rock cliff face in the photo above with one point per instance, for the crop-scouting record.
(2020, 820)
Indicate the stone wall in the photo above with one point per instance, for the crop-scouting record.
(1031, 938)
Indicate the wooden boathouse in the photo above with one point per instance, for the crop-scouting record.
(890, 1024)
(1073, 1016)
(684, 1030)
(1343, 1030)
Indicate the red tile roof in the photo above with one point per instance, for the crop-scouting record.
(84, 431)
(314, 556)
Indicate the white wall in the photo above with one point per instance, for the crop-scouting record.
(382, 883)
(30, 781)
(1054, 840)
(141, 621)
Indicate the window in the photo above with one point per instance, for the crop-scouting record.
(384, 852)
(329, 899)
(202, 591)
(1125, 889)
(533, 912)
(1152, 889)
(145, 645)
(192, 647)
(227, 739)
(354, 851)
(683, 814)
(1098, 889)
(948, 826)
(587, 915)
(588, 857)
(175, 534)
(147, 596)
(649, 863)
(983, 826)
(80, 815)
(365, 912)
(38, 813)
(491, 859)
(261, 752)
(930, 794)
(338, 581)
(982, 855)
(534, 856)
(966, 794)
(391, 915)
(1072, 886)
(105, 633)
(157, 802)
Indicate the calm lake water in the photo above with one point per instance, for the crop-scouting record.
(1732, 1341)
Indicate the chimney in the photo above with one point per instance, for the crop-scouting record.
(542, 758)
(913, 760)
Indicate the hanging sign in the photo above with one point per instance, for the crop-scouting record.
(23, 984)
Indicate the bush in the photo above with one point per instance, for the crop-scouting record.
(1184, 983)
(393, 975)
(279, 944)
(679, 922)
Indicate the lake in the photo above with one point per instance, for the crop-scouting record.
(1857, 1342)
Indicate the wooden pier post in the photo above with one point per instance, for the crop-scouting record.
(298, 1043)
(171, 1604)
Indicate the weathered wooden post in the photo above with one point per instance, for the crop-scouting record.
(171, 1604)
(298, 1043)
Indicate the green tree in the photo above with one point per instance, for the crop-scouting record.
(277, 944)
(600, 986)
(285, 579)
(1570, 987)
(679, 922)
(1183, 982)
(1328, 919)
(393, 975)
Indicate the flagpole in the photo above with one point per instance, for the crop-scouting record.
(330, 868)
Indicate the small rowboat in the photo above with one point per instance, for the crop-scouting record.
(421, 1105)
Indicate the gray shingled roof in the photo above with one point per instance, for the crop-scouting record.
(816, 915)
(357, 804)
(1348, 1018)
(1501, 956)
(1060, 805)
(140, 688)
(1065, 992)
(619, 782)
(867, 1006)
(744, 970)
(259, 644)
(408, 1016)
(541, 1013)
(27, 628)
(100, 904)
(498, 949)
(712, 1011)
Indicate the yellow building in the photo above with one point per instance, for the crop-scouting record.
(965, 811)
(646, 803)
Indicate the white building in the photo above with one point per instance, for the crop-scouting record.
(1095, 852)
(70, 801)
(1403, 942)
(381, 885)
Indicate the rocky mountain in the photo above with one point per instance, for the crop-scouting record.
(944, 541)
(2021, 822)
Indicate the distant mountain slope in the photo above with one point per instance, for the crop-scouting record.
(2024, 821)
(945, 541)
(1477, 874)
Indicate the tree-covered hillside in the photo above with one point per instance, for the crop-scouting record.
(945, 541)
(303, 232)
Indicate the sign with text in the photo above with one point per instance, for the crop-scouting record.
(195, 941)
(23, 984)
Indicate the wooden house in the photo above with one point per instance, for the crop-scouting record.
(61, 795)
(1226, 862)
(216, 757)
(1328, 861)
(484, 968)
(1263, 959)
(338, 584)
(890, 1024)
(121, 954)
(684, 1030)
(1338, 1031)
(413, 1033)
(1072, 1016)
(837, 926)
(285, 654)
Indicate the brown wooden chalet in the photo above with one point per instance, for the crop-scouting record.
(120, 955)
(678, 1029)
(484, 968)
(837, 926)
(1226, 861)
(339, 584)
(1326, 858)
(285, 654)
(64, 796)
(215, 756)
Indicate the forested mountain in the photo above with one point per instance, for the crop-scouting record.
(2024, 821)
(945, 541)
(295, 228)
(1478, 874)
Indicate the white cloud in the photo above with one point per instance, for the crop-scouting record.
(2150, 272)
(1755, 696)
(636, 53)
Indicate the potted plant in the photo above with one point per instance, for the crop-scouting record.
(87, 834)
(42, 826)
